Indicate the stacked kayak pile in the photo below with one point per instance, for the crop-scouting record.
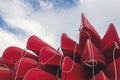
(89, 58)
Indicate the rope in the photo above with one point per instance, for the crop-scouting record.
(89, 65)
(48, 59)
(2, 64)
(5, 66)
(41, 63)
(73, 57)
(22, 56)
(115, 68)
(90, 51)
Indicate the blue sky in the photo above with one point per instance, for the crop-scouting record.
(48, 19)
(56, 4)
(17, 31)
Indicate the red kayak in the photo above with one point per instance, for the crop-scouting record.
(50, 60)
(54, 70)
(22, 66)
(72, 70)
(12, 54)
(38, 74)
(100, 76)
(35, 44)
(91, 56)
(70, 47)
(49, 56)
(109, 42)
(113, 70)
(5, 74)
(87, 31)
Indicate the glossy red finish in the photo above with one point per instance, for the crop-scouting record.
(69, 47)
(108, 43)
(87, 31)
(23, 65)
(38, 74)
(110, 70)
(49, 56)
(12, 54)
(91, 55)
(5, 74)
(35, 44)
(72, 70)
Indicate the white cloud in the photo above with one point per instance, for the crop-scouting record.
(44, 25)
(16, 14)
(8, 39)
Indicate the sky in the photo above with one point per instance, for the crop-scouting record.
(48, 19)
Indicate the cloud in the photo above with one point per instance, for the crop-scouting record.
(45, 24)
(50, 4)
(8, 39)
